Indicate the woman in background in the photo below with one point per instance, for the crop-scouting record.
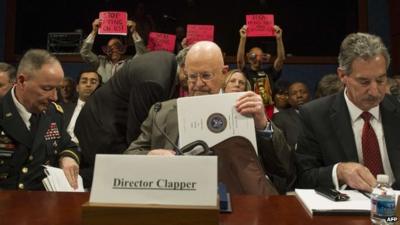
(236, 81)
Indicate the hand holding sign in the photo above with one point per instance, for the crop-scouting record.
(243, 31)
(113, 23)
(95, 25)
(260, 25)
(131, 25)
(278, 32)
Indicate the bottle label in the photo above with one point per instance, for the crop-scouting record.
(384, 208)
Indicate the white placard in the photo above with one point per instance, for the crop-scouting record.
(160, 180)
(212, 118)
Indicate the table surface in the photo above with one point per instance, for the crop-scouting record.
(41, 208)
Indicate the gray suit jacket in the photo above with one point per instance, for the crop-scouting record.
(274, 153)
(327, 138)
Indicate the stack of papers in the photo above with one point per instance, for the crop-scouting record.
(57, 181)
(315, 204)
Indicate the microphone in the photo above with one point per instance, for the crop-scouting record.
(168, 17)
(157, 108)
(188, 149)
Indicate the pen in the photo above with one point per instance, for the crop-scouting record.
(366, 194)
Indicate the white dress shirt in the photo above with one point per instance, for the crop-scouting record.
(25, 114)
(357, 123)
(71, 125)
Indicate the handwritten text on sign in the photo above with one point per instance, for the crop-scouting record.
(197, 33)
(113, 23)
(260, 25)
(161, 41)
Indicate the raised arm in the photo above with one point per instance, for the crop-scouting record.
(87, 45)
(240, 57)
(280, 49)
(137, 40)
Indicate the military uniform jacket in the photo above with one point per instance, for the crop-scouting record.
(23, 154)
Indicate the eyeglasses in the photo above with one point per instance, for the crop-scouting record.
(119, 47)
(204, 76)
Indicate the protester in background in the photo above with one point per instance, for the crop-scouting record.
(261, 78)
(114, 59)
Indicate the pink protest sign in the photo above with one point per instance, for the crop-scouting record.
(161, 41)
(195, 33)
(260, 25)
(113, 23)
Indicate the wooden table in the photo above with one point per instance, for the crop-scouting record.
(41, 208)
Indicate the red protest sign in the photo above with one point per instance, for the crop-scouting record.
(260, 25)
(195, 33)
(113, 23)
(161, 41)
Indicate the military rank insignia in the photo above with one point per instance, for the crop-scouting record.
(52, 133)
(58, 107)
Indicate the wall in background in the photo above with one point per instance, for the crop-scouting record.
(2, 27)
(378, 23)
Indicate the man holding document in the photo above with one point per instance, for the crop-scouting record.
(205, 72)
(350, 137)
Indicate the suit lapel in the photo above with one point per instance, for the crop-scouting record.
(172, 123)
(12, 122)
(341, 122)
(295, 118)
(391, 125)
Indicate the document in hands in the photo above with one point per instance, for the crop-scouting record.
(57, 181)
(316, 204)
(212, 118)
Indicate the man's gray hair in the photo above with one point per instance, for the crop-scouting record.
(361, 45)
(180, 57)
(10, 70)
(33, 60)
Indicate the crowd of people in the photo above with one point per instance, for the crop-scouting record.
(343, 137)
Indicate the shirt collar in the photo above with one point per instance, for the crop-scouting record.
(80, 103)
(25, 114)
(355, 112)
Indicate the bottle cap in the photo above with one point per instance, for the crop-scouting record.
(382, 178)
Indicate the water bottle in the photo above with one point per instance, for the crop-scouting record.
(383, 202)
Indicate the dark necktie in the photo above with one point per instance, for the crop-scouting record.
(370, 147)
(34, 120)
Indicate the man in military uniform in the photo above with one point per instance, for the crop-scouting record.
(32, 132)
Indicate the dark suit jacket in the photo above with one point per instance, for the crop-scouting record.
(111, 117)
(69, 109)
(288, 121)
(327, 138)
(275, 154)
(22, 155)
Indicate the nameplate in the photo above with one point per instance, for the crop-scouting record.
(159, 180)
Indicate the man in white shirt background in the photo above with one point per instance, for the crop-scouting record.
(87, 82)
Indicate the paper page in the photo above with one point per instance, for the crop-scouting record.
(58, 181)
(313, 201)
(212, 118)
